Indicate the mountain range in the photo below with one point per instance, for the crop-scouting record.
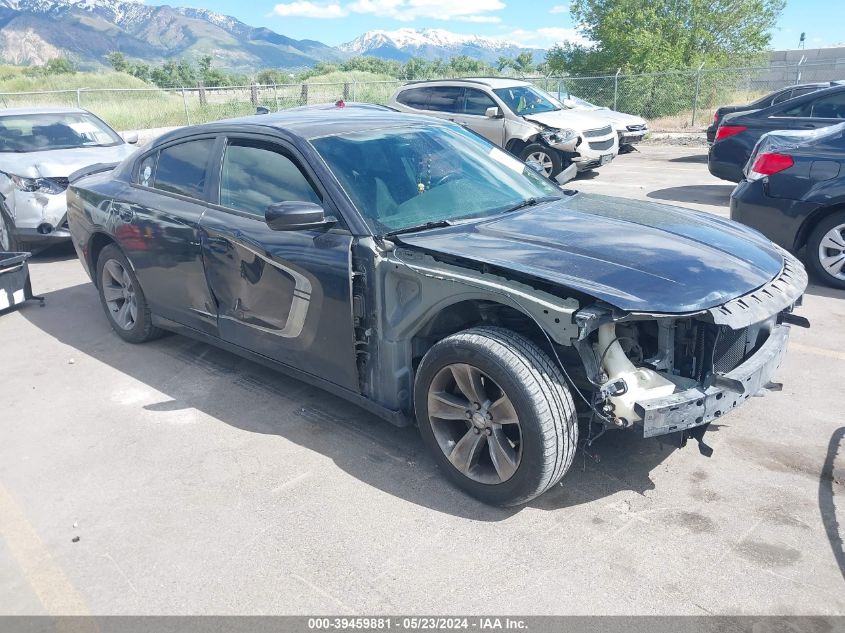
(34, 31)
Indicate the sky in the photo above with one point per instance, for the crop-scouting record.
(534, 23)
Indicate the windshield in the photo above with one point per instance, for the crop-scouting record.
(42, 132)
(410, 176)
(524, 100)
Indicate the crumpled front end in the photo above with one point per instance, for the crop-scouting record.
(670, 373)
(37, 206)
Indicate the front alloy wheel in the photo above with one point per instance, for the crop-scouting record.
(496, 413)
(549, 159)
(475, 424)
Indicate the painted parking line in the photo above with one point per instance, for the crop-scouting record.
(819, 351)
(53, 588)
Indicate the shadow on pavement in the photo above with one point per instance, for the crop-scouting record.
(251, 397)
(703, 194)
(692, 158)
(829, 478)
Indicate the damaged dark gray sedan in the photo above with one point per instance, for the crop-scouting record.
(411, 267)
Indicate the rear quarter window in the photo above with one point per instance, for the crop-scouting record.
(183, 168)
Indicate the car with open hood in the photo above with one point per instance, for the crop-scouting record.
(518, 117)
(417, 270)
(39, 149)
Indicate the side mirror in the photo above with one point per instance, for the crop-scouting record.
(262, 110)
(295, 216)
(131, 137)
(569, 103)
(493, 112)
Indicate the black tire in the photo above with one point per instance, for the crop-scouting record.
(554, 158)
(142, 329)
(8, 234)
(814, 243)
(540, 397)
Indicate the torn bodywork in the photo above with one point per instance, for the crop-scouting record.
(664, 373)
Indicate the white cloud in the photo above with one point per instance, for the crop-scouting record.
(559, 8)
(402, 10)
(546, 37)
(305, 9)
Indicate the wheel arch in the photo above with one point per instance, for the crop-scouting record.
(809, 224)
(464, 313)
(96, 243)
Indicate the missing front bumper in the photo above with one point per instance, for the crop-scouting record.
(699, 406)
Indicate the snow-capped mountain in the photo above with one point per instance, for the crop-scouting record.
(403, 44)
(88, 30)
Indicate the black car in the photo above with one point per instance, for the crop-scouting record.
(419, 271)
(738, 133)
(794, 193)
(778, 96)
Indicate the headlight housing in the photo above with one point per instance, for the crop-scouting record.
(556, 137)
(39, 185)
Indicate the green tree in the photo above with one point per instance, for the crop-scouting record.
(654, 35)
(556, 60)
(503, 62)
(524, 63)
(118, 61)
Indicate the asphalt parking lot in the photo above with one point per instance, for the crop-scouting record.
(201, 483)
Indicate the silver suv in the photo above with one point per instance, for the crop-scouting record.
(518, 117)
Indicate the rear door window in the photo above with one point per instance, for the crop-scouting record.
(444, 98)
(830, 106)
(183, 168)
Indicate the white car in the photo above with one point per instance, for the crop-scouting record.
(630, 128)
(518, 117)
(39, 149)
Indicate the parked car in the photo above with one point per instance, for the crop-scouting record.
(794, 193)
(39, 149)
(778, 96)
(517, 116)
(739, 132)
(419, 271)
(630, 128)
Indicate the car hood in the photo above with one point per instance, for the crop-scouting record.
(583, 120)
(619, 118)
(638, 256)
(60, 163)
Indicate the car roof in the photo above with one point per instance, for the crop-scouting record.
(46, 110)
(308, 123)
(490, 82)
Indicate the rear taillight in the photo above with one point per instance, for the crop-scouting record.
(769, 164)
(725, 131)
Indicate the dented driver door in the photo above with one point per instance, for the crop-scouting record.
(283, 294)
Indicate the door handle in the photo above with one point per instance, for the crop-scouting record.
(218, 244)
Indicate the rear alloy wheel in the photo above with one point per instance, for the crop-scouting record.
(548, 158)
(497, 414)
(122, 297)
(826, 250)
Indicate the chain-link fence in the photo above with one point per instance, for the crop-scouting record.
(686, 100)
(670, 101)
